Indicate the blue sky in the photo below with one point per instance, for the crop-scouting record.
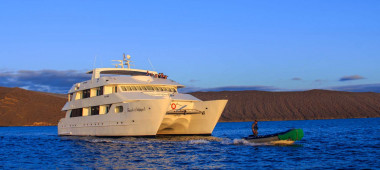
(274, 45)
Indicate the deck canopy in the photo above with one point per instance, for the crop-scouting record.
(118, 71)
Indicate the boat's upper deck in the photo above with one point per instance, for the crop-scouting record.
(123, 80)
(124, 76)
(119, 71)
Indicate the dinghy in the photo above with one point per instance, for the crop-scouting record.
(287, 137)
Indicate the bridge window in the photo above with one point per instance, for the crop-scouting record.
(134, 88)
(148, 88)
(76, 112)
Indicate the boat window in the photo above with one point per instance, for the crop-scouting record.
(70, 97)
(118, 109)
(144, 88)
(108, 108)
(134, 88)
(149, 87)
(95, 110)
(115, 89)
(99, 91)
(86, 93)
(76, 112)
(174, 90)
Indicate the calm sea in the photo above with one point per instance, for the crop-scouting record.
(339, 143)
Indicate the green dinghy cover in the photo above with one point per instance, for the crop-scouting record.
(294, 134)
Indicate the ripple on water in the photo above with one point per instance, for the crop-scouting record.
(327, 144)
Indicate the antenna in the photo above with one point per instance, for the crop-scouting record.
(94, 62)
(120, 64)
(151, 65)
(125, 61)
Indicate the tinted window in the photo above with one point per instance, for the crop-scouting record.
(95, 110)
(99, 91)
(76, 112)
(86, 93)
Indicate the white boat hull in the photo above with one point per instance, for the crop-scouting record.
(146, 118)
(194, 124)
(139, 118)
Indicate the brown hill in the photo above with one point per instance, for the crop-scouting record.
(19, 107)
(314, 104)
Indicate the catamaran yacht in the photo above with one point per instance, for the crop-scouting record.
(134, 102)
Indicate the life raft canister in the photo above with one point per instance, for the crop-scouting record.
(173, 106)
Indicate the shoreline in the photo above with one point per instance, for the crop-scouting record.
(235, 121)
(22, 107)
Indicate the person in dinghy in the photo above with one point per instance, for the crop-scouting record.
(283, 138)
(255, 128)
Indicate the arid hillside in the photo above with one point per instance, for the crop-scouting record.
(19, 107)
(314, 104)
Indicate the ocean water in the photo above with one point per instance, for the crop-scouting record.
(332, 144)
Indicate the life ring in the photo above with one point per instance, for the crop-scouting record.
(173, 106)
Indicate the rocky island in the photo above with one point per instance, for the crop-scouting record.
(20, 107)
